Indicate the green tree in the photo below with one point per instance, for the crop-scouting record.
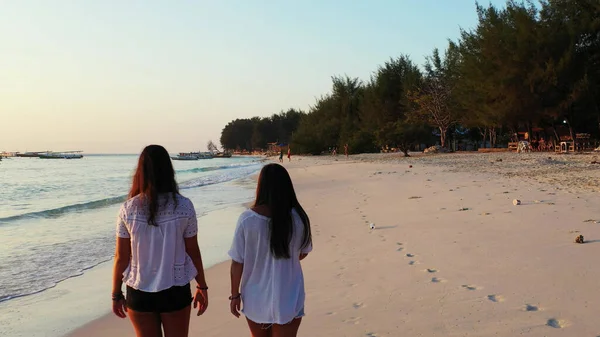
(403, 135)
(433, 100)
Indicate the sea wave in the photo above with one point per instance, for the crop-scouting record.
(217, 168)
(41, 288)
(244, 169)
(60, 211)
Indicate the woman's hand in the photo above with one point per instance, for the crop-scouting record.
(201, 301)
(234, 305)
(119, 308)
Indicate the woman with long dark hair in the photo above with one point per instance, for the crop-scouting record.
(157, 253)
(270, 240)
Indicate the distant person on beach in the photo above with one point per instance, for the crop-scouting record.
(281, 156)
(270, 240)
(157, 252)
(346, 150)
(289, 153)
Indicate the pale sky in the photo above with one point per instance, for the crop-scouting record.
(112, 76)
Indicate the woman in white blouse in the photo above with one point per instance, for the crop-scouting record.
(270, 240)
(157, 252)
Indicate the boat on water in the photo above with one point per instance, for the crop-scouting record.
(223, 155)
(192, 156)
(29, 154)
(61, 155)
(204, 155)
(185, 156)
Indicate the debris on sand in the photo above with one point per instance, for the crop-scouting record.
(516, 202)
(435, 149)
(579, 239)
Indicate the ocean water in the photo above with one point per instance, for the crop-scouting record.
(57, 217)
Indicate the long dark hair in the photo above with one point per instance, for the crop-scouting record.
(154, 175)
(276, 191)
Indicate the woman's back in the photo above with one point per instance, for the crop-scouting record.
(272, 289)
(158, 257)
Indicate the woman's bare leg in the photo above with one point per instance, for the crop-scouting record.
(146, 324)
(259, 330)
(176, 323)
(287, 330)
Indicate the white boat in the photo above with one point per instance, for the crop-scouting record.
(204, 155)
(61, 155)
(193, 156)
(185, 156)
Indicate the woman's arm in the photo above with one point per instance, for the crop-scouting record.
(122, 259)
(236, 278)
(193, 251)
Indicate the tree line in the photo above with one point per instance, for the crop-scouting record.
(524, 66)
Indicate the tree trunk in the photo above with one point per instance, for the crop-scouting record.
(483, 132)
(570, 129)
(492, 137)
(404, 149)
(443, 132)
(556, 137)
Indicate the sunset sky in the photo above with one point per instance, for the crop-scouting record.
(113, 76)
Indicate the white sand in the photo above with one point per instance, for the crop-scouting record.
(450, 255)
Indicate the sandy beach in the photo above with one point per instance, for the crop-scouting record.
(450, 254)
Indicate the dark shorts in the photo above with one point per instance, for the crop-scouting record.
(168, 300)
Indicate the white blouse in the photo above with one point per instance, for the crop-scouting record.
(158, 257)
(272, 289)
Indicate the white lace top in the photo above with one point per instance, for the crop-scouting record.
(272, 289)
(158, 257)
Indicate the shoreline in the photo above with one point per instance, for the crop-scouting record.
(450, 254)
(80, 295)
(77, 300)
(100, 322)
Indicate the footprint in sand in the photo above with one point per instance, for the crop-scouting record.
(352, 320)
(496, 298)
(557, 323)
(470, 287)
(400, 249)
(358, 305)
(410, 255)
(437, 280)
(371, 334)
(530, 307)
(331, 313)
(399, 243)
(412, 263)
(431, 270)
